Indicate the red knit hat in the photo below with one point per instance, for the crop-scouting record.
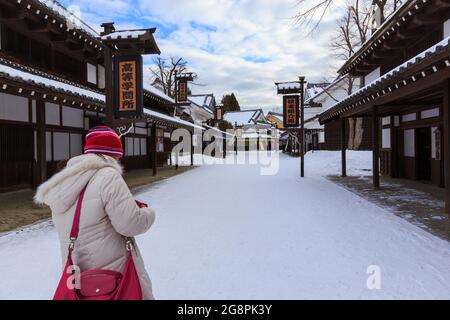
(103, 140)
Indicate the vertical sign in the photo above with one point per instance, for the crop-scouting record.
(182, 90)
(218, 114)
(128, 86)
(291, 111)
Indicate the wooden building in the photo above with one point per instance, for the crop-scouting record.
(52, 90)
(405, 70)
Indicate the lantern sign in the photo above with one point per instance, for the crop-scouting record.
(291, 111)
(218, 113)
(128, 80)
(182, 90)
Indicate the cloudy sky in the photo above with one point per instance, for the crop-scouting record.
(240, 46)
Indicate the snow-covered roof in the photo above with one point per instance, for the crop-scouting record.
(72, 21)
(218, 130)
(313, 125)
(166, 117)
(395, 20)
(157, 92)
(437, 48)
(24, 74)
(288, 85)
(204, 101)
(240, 118)
(125, 34)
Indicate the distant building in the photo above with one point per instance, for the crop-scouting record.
(251, 127)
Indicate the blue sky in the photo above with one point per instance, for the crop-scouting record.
(240, 46)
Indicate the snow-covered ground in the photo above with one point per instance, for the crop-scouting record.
(227, 232)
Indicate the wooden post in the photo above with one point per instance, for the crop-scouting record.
(154, 163)
(109, 87)
(41, 152)
(446, 143)
(376, 148)
(343, 148)
(302, 126)
(224, 153)
(192, 149)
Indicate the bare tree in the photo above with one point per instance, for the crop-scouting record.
(164, 72)
(310, 16)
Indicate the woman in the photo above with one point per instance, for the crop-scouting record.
(109, 212)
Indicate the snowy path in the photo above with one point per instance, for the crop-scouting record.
(227, 232)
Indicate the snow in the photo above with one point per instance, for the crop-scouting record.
(170, 118)
(157, 92)
(68, 88)
(49, 83)
(239, 118)
(72, 21)
(288, 85)
(402, 67)
(124, 34)
(240, 235)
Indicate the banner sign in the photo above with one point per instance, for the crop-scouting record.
(291, 111)
(182, 90)
(128, 101)
(218, 114)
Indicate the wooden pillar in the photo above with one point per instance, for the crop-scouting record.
(302, 127)
(154, 162)
(41, 152)
(224, 153)
(109, 87)
(343, 148)
(446, 143)
(192, 149)
(376, 148)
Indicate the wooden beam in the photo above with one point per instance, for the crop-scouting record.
(376, 148)
(43, 26)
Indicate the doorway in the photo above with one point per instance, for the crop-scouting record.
(423, 153)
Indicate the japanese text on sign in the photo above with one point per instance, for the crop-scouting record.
(127, 86)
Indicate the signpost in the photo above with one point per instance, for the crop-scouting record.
(293, 112)
(128, 101)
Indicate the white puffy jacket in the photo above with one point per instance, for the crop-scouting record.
(108, 213)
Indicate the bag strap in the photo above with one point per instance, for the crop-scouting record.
(76, 225)
(76, 220)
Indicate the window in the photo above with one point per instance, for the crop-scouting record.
(129, 146)
(13, 108)
(52, 114)
(101, 77)
(61, 146)
(137, 147)
(143, 146)
(386, 139)
(409, 149)
(72, 117)
(91, 73)
(76, 144)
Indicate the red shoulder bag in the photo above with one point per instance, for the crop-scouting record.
(97, 284)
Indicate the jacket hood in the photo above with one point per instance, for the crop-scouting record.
(62, 190)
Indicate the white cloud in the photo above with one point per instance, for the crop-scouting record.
(240, 46)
